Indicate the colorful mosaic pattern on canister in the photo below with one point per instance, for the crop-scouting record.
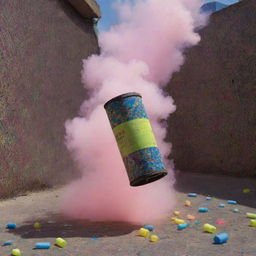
(135, 139)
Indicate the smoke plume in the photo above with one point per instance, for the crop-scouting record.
(138, 55)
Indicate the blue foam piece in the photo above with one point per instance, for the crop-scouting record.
(222, 205)
(11, 225)
(182, 226)
(43, 245)
(10, 242)
(149, 227)
(208, 198)
(221, 238)
(192, 194)
(232, 202)
(203, 209)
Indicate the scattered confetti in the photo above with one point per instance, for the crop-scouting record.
(191, 217)
(176, 213)
(220, 222)
(188, 203)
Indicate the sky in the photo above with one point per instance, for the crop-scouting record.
(109, 16)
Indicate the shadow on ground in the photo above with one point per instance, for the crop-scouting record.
(56, 226)
(223, 187)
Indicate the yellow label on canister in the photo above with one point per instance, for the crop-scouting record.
(134, 135)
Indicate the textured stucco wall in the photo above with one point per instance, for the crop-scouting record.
(214, 127)
(42, 44)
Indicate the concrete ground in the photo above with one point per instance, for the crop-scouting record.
(120, 239)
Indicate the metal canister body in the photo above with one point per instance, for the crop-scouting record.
(135, 139)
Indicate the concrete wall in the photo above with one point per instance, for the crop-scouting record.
(42, 44)
(214, 127)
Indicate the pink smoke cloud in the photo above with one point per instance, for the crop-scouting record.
(139, 54)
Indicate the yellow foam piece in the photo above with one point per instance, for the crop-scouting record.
(37, 225)
(61, 242)
(154, 238)
(16, 252)
(251, 215)
(253, 223)
(246, 190)
(179, 221)
(144, 232)
(209, 228)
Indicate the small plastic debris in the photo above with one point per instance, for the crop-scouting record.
(203, 209)
(192, 194)
(182, 226)
(51, 221)
(241, 252)
(173, 218)
(37, 225)
(209, 228)
(10, 242)
(11, 225)
(154, 238)
(149, 227)
(176, 213)
(251, 215)
(222, 205)
(67, 225)
(191, 217)
(235, 210)
(179, 221)
(252, 223)
(94, 238)
(43, 245)
(61, 242)
(246, 190)
(221, 238)
(197, 222)
(220, 222)
(144, 232)
(232, 202)
(16, 252)
(208, 198)
(187, 203)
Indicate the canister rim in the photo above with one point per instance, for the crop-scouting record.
(122, 96)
